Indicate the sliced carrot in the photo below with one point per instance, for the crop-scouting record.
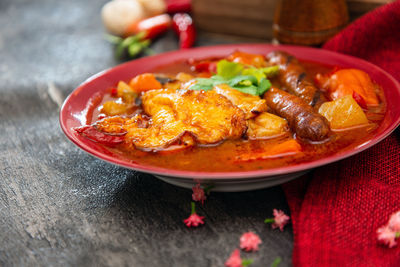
(144, 82)
(347, 81)
(286, 148)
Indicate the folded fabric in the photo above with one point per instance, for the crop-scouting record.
(337, 209)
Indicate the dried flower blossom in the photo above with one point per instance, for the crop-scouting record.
(198, 194)
(388, 233)
(235, 260)
(194, 219)
(394, 221)
(387, 236)
(249, 241)
(279, 221)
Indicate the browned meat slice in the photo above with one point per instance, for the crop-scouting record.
(293, 76)
(181, 116)
(302, 118)
(250, 104)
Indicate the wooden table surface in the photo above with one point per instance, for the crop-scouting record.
(60, 206)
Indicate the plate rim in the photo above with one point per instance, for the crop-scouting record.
(223, 175)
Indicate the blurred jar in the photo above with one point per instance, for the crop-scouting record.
(308, 22)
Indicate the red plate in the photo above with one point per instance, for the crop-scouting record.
(76, 104)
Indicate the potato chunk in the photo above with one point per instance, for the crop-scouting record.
(343, 113)
(127, 94)
(112, 108)
(266, 125)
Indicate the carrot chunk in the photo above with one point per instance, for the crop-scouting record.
(255, 60)
(351, 82)
(286, 148)
(144, 82)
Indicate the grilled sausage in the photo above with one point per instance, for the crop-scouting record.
(304, 121)
(293, 76)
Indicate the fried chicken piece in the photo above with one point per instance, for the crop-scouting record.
(250, 104)
(112, 125)
(155, 137)
(184, 117)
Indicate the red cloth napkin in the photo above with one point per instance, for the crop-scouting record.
(337, 209)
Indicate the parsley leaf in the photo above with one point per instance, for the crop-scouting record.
(271, 71)
(228, 70)
(246, 80)
(260, 73)
(242, 80)
(263, 86)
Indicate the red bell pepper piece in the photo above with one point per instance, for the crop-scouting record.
(206, 66)
(152, 27)
(183, 26)
(90, 132)
(101, 116)
(114, 91)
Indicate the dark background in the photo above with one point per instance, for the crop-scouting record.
(61, 207)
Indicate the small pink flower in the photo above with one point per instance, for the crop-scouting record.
(279, 221)
(234, 260)
(394, 221)
(198, 194)
(249, 241)
(194, 219)
(387, 236)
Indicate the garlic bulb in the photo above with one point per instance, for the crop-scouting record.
(117, 15)
(153, 7)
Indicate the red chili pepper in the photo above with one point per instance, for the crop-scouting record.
(101, 116)
(176, 6)
(360, 100)
(152, 27)
(95, 135)
(184, 28)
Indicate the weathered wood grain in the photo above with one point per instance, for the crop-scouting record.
(62, 207)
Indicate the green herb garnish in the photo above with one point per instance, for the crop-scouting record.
(246, 80)
(228, 70)
(260, 73)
